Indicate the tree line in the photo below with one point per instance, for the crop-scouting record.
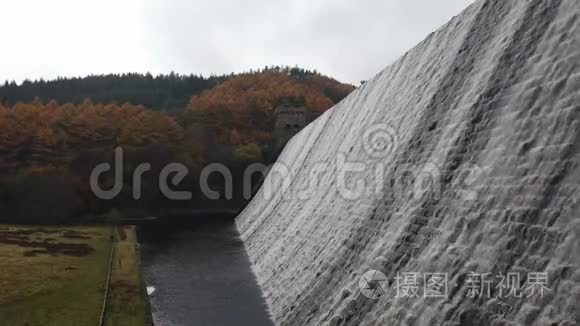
(162, 92)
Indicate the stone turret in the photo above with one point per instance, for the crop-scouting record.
(289, 120)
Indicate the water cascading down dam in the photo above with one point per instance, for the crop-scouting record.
(453, 173)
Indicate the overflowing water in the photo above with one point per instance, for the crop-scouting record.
(458, 166)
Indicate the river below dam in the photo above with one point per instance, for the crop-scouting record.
(198, 274)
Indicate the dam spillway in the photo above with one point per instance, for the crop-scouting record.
(459, 159)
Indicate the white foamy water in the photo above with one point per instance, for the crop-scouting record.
(494, 93)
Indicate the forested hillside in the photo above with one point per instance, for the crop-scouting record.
(169, 92)
(240, 110)
(54, 141)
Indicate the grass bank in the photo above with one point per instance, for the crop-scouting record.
(127, 302)
(52, 275)
(58, 276)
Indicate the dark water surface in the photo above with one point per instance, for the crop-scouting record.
(201, 274)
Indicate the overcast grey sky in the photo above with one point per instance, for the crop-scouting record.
(349, 40)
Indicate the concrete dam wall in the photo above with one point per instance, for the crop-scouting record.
(443, 191)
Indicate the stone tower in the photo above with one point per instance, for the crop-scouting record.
(289, 120)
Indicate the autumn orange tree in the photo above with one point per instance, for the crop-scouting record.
(37, 134)
(47, 151)
(242, 107)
